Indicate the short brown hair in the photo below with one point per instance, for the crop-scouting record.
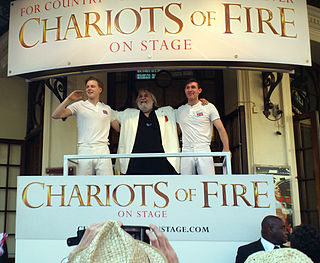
(100, 84)
(192, 80)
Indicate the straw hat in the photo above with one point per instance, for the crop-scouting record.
(114, 245)
(282, 255)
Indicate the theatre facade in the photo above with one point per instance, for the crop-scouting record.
(258, 62)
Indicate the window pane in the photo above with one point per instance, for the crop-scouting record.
(1, 222)
(308, 163)
(11, 223)
(12, 199)
(13, 173)
(3, 176)
(306, 136)
(2, 199)
(3, 153)
(311, 193)
(11, 243)
(15, 153)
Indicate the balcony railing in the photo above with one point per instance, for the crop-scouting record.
(225, 163)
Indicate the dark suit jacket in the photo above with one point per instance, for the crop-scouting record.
(245, 251)
(4, 257)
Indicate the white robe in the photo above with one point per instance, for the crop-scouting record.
(129, 120)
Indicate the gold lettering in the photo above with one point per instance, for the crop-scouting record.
(206, 193)
(235, 194)
(78, 196)
(158, 192)
(25, 195)
(151, 15)
(117, 21)
(143, 192)
(94, 24)
(45, 29)
(203, 18)
(191, 194)
(228, 18)
(114, 195)
(224, 195)
(284, 22)
(256, 194)
(173, 18)
(108, 195)
(209, 17)
(21, 32)
(109, 22)
(248, 16)
(267, 21)
(50, 194)
(93, 195)
(185, 194)
(75, 27)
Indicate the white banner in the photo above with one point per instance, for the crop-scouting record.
(55, 34)
(201, 215)
(184, 207)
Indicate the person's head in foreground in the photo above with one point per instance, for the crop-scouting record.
(306, 239)
(107, 242)
(281, 255)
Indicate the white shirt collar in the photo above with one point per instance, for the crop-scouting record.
(194, 105)
(267, 245)
(88, 102)
(91, 106)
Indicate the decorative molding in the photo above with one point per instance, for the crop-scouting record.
(314, 23)
(314, 16)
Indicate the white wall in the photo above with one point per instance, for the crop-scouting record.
(265, 147)
(13, 108)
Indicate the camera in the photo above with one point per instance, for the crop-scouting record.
(72, 241)
(137, 232)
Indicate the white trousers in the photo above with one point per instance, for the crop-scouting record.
(94, 166)
(197, 165)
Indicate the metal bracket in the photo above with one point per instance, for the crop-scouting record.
(59, 87)
(269, 83)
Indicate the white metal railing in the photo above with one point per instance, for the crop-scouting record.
(225, 164)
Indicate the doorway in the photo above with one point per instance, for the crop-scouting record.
(168, 87)
(307, 140)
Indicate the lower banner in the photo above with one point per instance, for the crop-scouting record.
(226, 208)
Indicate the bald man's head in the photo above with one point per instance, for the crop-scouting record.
(273, 229)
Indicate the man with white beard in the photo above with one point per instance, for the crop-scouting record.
(148, 130)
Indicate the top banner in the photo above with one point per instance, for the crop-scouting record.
(64, 34)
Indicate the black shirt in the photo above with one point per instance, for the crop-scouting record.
(148, 140)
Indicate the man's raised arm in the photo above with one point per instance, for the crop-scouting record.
(61, 111)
